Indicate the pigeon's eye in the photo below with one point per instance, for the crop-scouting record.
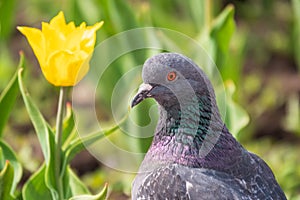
(171, 76)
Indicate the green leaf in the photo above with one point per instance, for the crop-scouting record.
(73, 185)
(6, 181)
(79, 144)
(68, 127)
(8, 96)
(233, 65)
(37, 119)
(9, 155)
(50, 176)
(35, 187)
(100, 196)
(236, 117)
(45, 136)
(223, 27)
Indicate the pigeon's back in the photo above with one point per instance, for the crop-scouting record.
(179, 182)
(175, 181)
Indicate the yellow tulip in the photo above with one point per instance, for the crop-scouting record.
(62, 50)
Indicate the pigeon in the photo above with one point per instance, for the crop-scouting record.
(193, 155)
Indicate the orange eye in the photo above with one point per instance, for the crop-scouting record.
(171, 76)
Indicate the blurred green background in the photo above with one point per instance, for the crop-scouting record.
(257, 54)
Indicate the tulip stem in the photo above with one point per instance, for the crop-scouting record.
(58, 138)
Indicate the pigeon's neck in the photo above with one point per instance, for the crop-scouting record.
(192, 135)
(190, 122)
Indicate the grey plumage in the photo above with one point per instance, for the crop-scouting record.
(193, 155)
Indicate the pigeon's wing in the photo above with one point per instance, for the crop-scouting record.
(261, 182)
(179, 182)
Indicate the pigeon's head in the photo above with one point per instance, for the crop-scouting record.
(172, 80)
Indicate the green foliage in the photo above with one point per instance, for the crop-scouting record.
(6, 181)
(220, 33)
(121, 14)
(7, 155)
(35, 187)
(73, 184)
(222, 30)
(296, 43)
(7, 10)
(100, 196)
(43, 184)
(236, 116)
(78, 144)
(8, 97)
(44, 134)
(291, 122)
(11, 169)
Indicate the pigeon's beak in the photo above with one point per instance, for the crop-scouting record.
(143, 93)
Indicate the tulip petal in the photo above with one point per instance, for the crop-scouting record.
(70, 28)
(73, 40)
(63, 50)
(89, 38)
(58, 22)
(97, 26)
(54, 38)
(66, 68)
(36, 40)
(82, 25)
